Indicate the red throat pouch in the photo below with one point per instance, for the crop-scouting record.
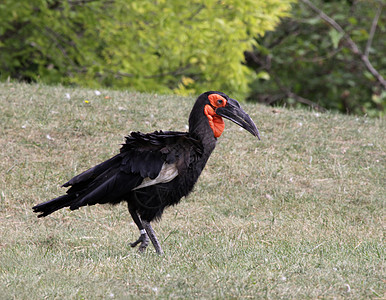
(215, 121)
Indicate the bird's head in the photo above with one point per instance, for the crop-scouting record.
(217, 105)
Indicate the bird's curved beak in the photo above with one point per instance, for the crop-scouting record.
(232, 111)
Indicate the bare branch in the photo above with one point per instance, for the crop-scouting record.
(287, 92)
(351, 44)
(335, 25)
(321, 58)
(306, 101)
(372, 31)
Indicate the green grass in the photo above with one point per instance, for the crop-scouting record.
(296, 215)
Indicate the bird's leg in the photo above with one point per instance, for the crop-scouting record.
(152, 237)
(143, 238)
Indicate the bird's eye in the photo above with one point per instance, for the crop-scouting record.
(217, 100)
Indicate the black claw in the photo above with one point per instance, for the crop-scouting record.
(144, 242)
(135, 243)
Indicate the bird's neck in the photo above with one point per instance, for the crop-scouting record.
(200, 129)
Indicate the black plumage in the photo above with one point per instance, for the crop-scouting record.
(154, 170)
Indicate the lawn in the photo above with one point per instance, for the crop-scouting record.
(295, 215)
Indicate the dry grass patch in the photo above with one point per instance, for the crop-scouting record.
(297, 215)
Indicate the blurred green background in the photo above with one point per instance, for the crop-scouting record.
(269, 51)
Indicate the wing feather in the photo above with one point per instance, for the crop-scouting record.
(144, 160)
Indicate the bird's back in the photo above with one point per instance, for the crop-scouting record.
(179, 152)
(152, 171)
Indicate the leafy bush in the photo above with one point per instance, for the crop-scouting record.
(308, 61)
(141, 44)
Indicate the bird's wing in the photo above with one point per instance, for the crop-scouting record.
(144, 160)
(94, 172)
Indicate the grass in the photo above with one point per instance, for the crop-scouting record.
(297, 215)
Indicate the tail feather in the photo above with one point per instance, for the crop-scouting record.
(108, 182)
(49, 207)
(111, 188)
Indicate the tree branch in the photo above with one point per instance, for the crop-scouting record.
(372, 31)
(351, 44)
(290, 94)
(305, 101)
(354, 48)
(322, 58)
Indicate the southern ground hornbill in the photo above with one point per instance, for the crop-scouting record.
(154, 170)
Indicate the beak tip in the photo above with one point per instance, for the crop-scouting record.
(257, 134)
(253, 129)
(233, 112)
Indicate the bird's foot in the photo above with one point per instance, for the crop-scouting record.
(143, 240)
(153, 238)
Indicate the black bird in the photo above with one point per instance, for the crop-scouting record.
(154, 170)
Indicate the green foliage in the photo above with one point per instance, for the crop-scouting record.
(305, 61)
(143, 44)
